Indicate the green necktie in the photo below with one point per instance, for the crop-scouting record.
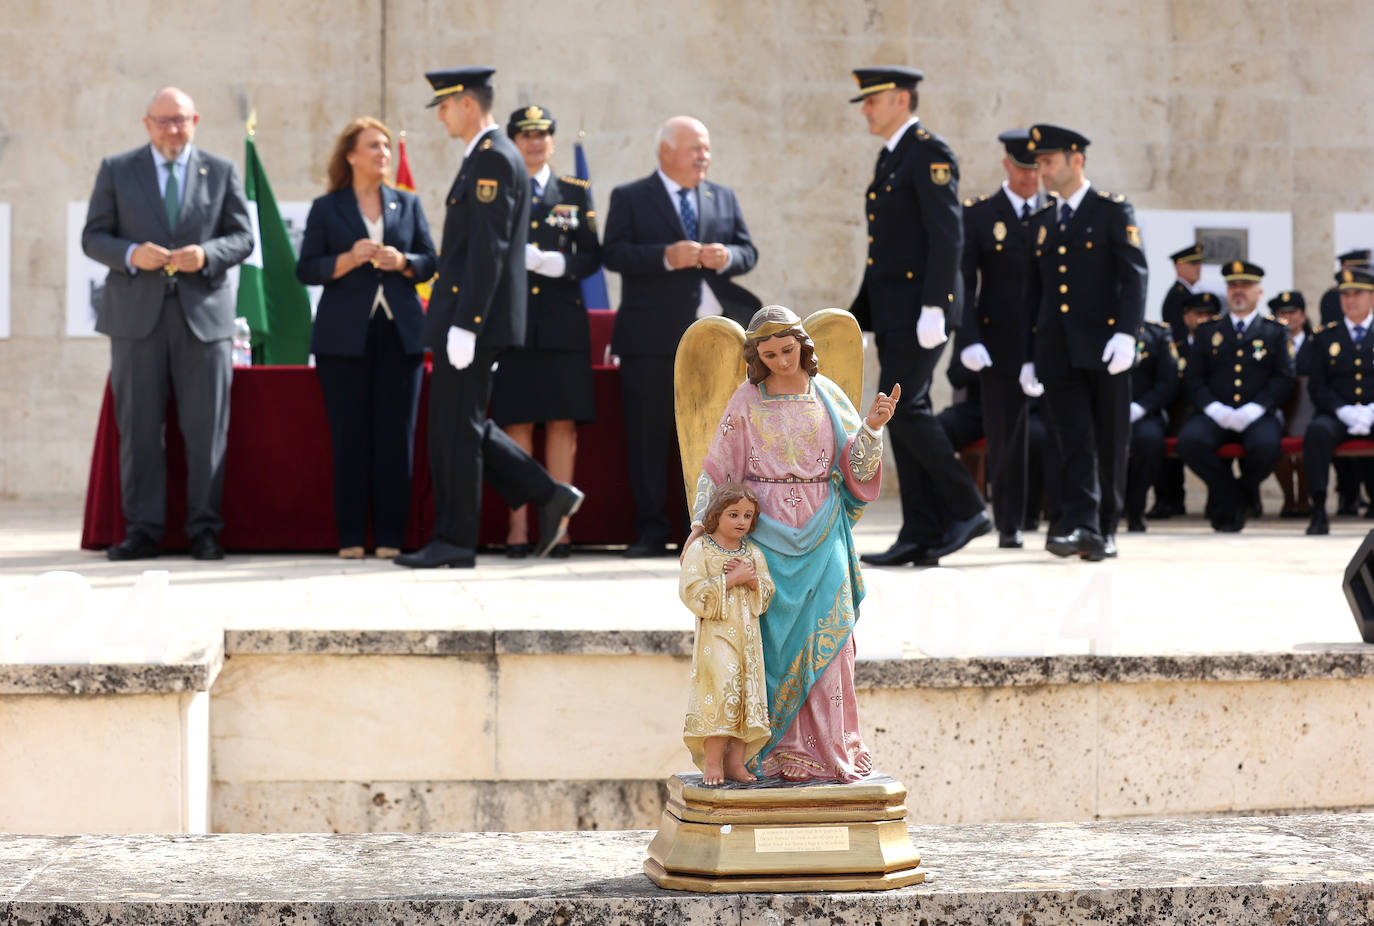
(170, 199)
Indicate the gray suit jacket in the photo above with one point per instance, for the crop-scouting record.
(126, 208)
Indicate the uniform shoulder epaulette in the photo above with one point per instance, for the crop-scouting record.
(982, 198)
(1329, 325)
(1114, 197)
(1047, 205)
(575, 180)
(485, 146)
(1151, 321)
(922, 134)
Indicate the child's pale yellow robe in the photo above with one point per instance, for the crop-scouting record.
(728, 695)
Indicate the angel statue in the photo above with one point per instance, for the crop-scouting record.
(794, 437)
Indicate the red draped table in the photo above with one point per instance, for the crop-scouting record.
(278, 482)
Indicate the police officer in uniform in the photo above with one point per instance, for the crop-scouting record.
(1341, 384)
(1239, 374)
(549, 379)
(996, 264)
(1088, 282)
(908, 300)
(1188, 267)
(1330, 308)
(1154, 386)
(477, 310)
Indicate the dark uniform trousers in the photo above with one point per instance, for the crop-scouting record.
(647, 400)
(144, 372)
(1088, 409)
(1147, 453)
(1197, 446)
(465, 447)
(1324, 433)
(1004, 416)
(963, 424)
(936, 489)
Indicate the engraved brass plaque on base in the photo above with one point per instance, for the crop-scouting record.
(784, 836)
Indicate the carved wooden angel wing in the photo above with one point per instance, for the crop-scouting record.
(708, 369)
(839, 350)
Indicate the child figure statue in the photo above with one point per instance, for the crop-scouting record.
(725, 583)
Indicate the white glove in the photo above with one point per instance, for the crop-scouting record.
(1357, 418)
(975, 357)
(460, 347)
(1119, 353)
(930, 327)
(1137, 412)
(1248, 414)
(551, 264)
(1029, 384)
(1221, 414)
(533, 257)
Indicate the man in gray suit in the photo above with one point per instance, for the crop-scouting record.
(168, 220)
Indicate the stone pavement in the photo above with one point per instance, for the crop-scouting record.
(1180, 588)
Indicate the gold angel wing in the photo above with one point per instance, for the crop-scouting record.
(839, 350)
(708, 369)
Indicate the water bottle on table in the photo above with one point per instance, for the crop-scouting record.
(243, 343)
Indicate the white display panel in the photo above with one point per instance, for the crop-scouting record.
(1269, 243)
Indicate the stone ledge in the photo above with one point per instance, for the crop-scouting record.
(194, 671)
(1236, 872)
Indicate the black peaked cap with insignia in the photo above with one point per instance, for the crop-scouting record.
(1286, 300)
(1189, 255)
(1356, 258)
(1202, 302)
(1017, 145)
(530, 119)
(876, 80)
(1047, 139)
(456, 80)
(1241, 271)
(1357, 278)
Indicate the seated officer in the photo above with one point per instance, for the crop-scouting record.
(1154, 384)
(1330, 307)
(1239, 374)
(1169, 496)
(1341, 353)
(1290, 310)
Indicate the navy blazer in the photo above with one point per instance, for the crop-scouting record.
(345, 308)
(657, 304)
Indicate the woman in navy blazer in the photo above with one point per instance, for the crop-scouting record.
(368, 244)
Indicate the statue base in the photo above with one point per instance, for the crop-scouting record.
(782, 836)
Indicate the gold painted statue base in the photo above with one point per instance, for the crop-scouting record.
(779, 836)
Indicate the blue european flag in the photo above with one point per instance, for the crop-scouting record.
(594, 295)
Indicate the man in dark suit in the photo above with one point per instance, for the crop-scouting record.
(996, 263)
(1088, 281)
(1154, 386)
(168, 220)
(1341, 353)
(477, 310)
(910, 296)
(1188, 267)
(1239, 374)
(676, 239)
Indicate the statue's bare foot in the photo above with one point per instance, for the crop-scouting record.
(736, 771)
(863, 763)
(791, 771)
(711, 773)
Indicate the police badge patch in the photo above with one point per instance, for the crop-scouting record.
(486, 190)
(1133, 236)
(999, 230)
(939, 174)
(1040, 238)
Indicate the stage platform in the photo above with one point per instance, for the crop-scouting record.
(1197, 674)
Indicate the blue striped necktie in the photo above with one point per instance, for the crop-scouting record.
(689, 215)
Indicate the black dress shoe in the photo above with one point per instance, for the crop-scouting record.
(1230, 524)
(1077, 542)
(554, 515)
(958, 534)
(901, 553)
(1109, 546)
(438, 553)
(644, 548)
(133, 546)
(1348, 504)
(1135, 524)
(1162, 511)
(1010, 540)
(517, 550)
(205, 546)
(1318, 525)
(561, 551)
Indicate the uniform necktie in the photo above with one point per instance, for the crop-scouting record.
(1065, 214)
(1025, 210)
(1240, 330)
(689, 215)
(882, 156)
(170, 197)
(534, 188)
(1357, 335)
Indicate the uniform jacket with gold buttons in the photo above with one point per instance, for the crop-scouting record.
(1087, 280)
(562, 220)
(1255, 368)
(1155, 376)
(1341, 373)
(996, 271)
(915, 235)
(481, 283)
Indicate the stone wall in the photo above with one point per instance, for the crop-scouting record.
(1233, 104)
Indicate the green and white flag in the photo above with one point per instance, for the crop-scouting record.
(272, 300)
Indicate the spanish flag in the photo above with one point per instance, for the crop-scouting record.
(404, 181)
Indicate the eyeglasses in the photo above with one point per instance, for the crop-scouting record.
(166, 122)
